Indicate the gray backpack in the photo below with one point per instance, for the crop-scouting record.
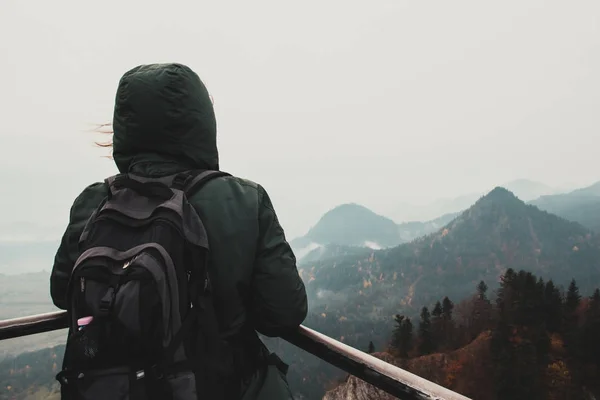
(142, 323)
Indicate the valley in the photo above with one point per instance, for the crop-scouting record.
(362, 269)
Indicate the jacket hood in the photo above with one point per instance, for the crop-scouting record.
(164, 111)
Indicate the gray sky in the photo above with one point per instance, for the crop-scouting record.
(323, 102)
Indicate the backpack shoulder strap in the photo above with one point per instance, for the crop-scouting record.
(190, 182)
(109, 182)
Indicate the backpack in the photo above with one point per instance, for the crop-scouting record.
(142, 324)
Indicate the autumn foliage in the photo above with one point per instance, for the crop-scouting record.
(533, 342)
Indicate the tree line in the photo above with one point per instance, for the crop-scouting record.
(544, 342)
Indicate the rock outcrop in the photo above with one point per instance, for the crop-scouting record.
(457, 370)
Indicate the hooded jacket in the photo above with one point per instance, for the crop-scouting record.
(164, 123)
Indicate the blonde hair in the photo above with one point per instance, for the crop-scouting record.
(105, 129)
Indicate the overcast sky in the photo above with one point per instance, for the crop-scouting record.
(323, 102)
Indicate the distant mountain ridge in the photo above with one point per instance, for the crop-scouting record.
(581, 205)
(499, 231)
(354, 225)
(355, 296)
(351, 225)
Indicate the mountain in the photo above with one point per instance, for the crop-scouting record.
(499, 231)
(354, 297)
(354, 225)
(581, 205)
(350, 226)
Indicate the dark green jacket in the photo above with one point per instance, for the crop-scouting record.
(164, 123)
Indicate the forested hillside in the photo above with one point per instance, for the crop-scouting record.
(532, 341)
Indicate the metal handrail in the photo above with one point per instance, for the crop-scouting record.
(387, 377)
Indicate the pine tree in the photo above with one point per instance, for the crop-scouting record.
(571, 320)
(552, 307)
(596, 297)
(437, 327)
(397, 332)
(541, 285)
(447, 323)
(573, 298)
(447, 307)
(504, 297)
(406, 338)
(402, 336)
(520, 342)
(481, 315)
(437, 310)
(425, 337)
(481, 291)
(371, 348)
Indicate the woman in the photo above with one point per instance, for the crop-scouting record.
(164, 123)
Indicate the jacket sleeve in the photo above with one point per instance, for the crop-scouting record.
(68, 250)
(279, 302)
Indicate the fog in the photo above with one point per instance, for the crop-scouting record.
(381, 103)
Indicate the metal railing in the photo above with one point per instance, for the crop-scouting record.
(387, 377)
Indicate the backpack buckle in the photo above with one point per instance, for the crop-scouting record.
(180, 181)
(107, 300)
